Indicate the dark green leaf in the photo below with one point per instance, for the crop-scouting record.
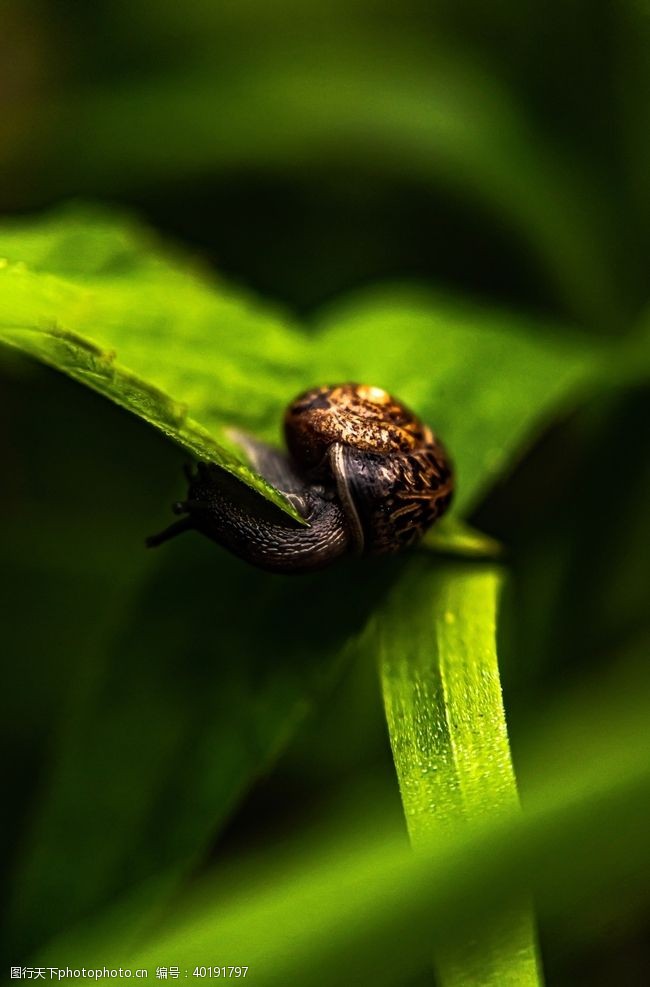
(98, 300)
(485, 380)
(193, 359)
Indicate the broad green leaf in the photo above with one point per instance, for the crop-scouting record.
(98, 299)
(486, 381)
(435, 638)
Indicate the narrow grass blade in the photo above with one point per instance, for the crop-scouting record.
(361, 909)
(436, 642)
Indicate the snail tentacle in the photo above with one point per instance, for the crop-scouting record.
(259, 532)
(365, 473)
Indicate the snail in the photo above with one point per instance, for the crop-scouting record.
(363, 471)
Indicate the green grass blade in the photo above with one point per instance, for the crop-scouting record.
(436, 642)
(451, 536)
(364, 909)
(360, 907)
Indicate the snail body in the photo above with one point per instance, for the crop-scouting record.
(363, 471)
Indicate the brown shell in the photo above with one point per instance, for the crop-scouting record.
(392, 475)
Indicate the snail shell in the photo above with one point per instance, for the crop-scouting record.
(366, 474)
(392, 476)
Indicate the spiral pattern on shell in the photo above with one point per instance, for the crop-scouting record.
(392, 475)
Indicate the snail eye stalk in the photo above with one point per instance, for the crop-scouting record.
(366, 474)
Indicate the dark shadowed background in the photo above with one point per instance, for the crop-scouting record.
(498, 153)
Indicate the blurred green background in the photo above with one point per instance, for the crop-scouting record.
(500, 153)
(310, 147)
